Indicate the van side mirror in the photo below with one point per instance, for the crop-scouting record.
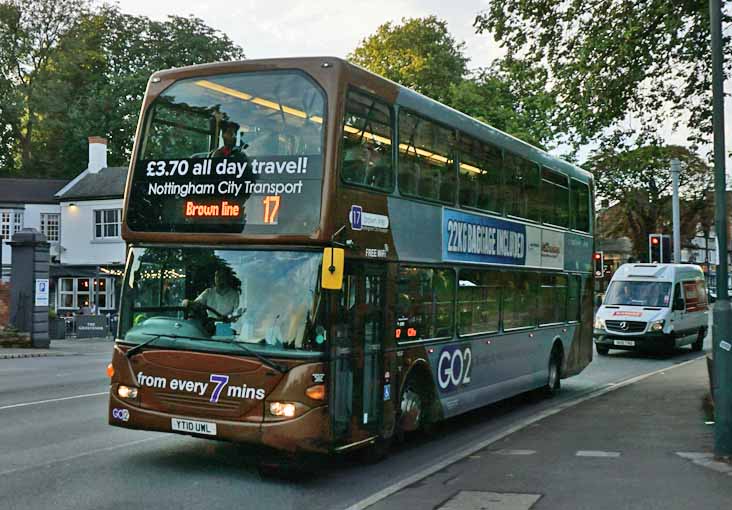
(679, 304)
(332, 269)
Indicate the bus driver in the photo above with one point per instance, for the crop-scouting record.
(222, 297)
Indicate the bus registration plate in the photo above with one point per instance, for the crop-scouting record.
(629, 343)
(193, 427)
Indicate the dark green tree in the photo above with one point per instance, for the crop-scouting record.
(419, 53)
(95, 78)
(637, 182)
(610, 59)
(510, 95)
(30, 32)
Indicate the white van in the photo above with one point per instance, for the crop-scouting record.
(653, 307)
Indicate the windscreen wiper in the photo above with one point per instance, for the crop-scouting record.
(261, 358)
(139, 346)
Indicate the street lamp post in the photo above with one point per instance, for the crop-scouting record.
(722, 331)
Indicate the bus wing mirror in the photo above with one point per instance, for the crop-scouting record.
(332, 272)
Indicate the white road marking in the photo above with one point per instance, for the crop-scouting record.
(469, 450)
(597, 453)
(515, 452)
(85, 454)
(25, 404)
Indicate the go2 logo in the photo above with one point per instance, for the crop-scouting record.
(120, 414)
(453, 367)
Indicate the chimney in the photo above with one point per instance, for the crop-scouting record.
(97, 154)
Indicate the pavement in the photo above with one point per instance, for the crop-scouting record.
(645, 445)
(66, 347)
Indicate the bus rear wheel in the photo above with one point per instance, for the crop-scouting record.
(554, 377)
(411, 407)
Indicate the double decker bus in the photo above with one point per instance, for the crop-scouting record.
(320, 260)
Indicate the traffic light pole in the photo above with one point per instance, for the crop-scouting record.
(722, 326)
(675, 171)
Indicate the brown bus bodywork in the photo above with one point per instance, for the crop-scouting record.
(372, 379)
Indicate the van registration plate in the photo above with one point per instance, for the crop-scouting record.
(193, 426)
(627, 343)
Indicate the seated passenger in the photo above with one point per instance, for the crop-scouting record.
(228, 133)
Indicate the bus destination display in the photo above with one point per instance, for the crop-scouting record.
(236, 194)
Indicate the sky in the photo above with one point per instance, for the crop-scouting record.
(287, 28)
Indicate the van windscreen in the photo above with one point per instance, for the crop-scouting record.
(638, 293)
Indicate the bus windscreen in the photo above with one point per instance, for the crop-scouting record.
(234, 153)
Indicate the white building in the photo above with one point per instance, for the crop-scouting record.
(91, 252)
(29, 203)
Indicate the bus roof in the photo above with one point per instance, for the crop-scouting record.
(405, 97)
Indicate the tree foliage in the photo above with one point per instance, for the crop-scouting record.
(420, 53)
(611, 59)
(93, 79)
(510, 95)
(638, 182)
(30, 31)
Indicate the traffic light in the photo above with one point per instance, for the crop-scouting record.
(659, 249)
(667, 250)
(599, 260)
(655, 248)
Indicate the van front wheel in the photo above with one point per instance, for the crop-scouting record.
(602, 350)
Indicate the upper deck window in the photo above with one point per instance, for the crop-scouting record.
(481, 175)
(522, 188)
(238, 153)
(580, 197)
(555, 193)
(426, 168)
(367, 143)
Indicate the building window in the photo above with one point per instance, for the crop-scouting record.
(5, 225)
(50, 226)
(11, 221)
(107, 223)
(17, 221)
(76, 293)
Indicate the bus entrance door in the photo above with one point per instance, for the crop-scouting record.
(358, 354)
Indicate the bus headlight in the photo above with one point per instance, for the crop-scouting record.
(657, 325)
(599, 323)
(282, 409)
(127, 392)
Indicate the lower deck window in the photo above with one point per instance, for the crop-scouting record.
(425, 299)
(519, 300)
(478, 301)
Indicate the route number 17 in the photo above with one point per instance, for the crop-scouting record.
(271, 208)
